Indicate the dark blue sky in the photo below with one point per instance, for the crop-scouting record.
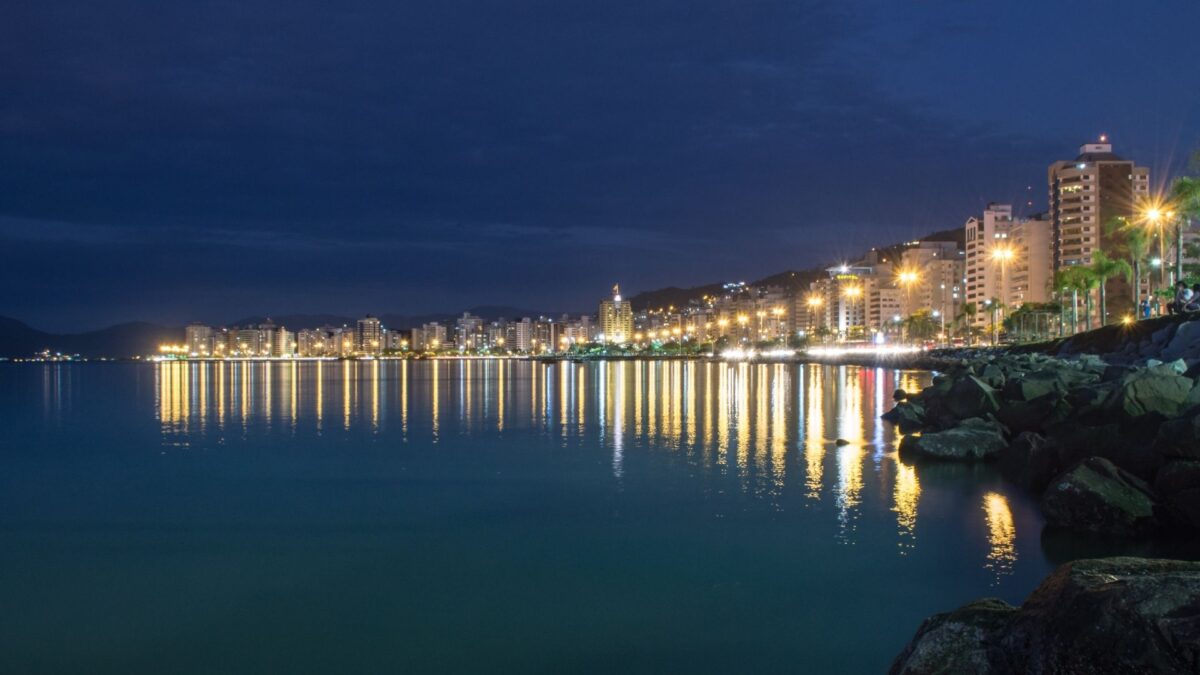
(177, 160)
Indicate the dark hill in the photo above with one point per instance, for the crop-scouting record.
(17, 339)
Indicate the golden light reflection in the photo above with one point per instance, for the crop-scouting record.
(435, 399)
(733, 422)
(906, 496)
(346, 394)
(814, 434)
(375, 394)
(850, 485)
(501, 386)
(779, 398)
(1002, 535)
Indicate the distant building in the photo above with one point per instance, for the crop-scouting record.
(369, 336)
(283, 342)
(199, 340)
(940, 267)
(249, 342)
(616, 318)
(519, 335)
(469, 332)
(429, 337)
(1032, 270)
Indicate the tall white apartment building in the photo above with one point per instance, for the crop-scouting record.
(985, 235)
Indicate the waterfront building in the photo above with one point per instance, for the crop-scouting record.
(987, 258)
(1085, 194)
(283, 342)
(519, 335)
(429, 337)
(368, 336)
(937, 269)
(616, 318)
(1032, 270)
(249, 342)
(199, 340)
(469, 333)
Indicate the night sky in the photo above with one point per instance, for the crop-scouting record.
(171, 161)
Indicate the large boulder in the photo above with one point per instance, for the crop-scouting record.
(1096, 496)
(1034, 415)
(1032, 461)
(971, 397)
(1113, 615)
(972, 439)
(1179, 437)
(1036, 384)
(961, 641)
(1178, 485)
(1158, 390)
(1090, 617)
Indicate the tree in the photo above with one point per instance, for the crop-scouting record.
(1135, 244)
(1185, 195)
(920, 325)
(1102, 269)
(1071, 279)
(968, 318)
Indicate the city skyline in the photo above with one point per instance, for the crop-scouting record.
(231, 172)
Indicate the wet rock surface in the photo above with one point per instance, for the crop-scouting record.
(1113, 615)
(1096, 496)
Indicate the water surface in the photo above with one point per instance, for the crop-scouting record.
(481, 516)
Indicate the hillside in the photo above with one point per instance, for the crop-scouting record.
(793, 280)
(18, 339)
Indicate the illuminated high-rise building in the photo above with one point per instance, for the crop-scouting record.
(199, 340)
(1085, 194)
(369, 336)
(616, 318)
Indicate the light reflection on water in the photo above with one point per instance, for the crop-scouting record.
(756, 421)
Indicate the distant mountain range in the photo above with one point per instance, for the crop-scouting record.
(18, 339)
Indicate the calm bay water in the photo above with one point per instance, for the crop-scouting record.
(481, 516)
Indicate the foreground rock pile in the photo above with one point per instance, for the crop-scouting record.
(1114, 449)
(1117, 615)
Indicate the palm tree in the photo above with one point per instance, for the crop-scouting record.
(1185, 194)
(1070, 279)
(1138, 243)
(968, 313)
(1102, 269)
(920, 325)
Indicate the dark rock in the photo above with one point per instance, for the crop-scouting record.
(972, 439)
(1179, 437)
(971, 397)
(960, 641)
(1151, 391)
(899, 395)
(993, 375)
(1096, 496)
(1114, 615)
(1031, 461)
(1034, 415)
(1034, 385)
(1090, 617)
(907, 416)
(840, 442)
(1178, 484)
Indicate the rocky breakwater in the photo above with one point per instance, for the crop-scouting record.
(1113, 449)
(1116, 615)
